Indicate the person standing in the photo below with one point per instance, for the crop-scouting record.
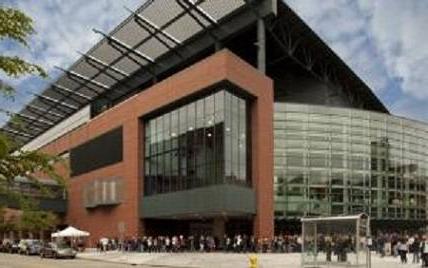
(402, 249)
(328, 248)
(414, 247)
(424, 251)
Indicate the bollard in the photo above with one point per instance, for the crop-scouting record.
(253, 263)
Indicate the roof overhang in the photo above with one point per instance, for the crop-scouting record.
(152, 40)
(158, 38)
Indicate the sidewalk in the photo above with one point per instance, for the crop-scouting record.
(193, 260)
(216, 260)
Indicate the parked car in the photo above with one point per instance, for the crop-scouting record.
(57, 250)
(5, 244)
(29, 247)
(11, 246)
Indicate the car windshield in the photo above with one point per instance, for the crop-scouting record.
(62, 245)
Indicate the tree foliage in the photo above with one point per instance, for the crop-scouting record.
(14, 24)
(34, 220)
(6, 225)
(17, 27)
(29, 219)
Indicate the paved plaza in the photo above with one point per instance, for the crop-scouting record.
(219, 260)
(116, 259)
(20, 261)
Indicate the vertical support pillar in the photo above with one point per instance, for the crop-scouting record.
(261, 46)
(262, 163)
(303, 244)
(379, 198)
(219, 227)
(217, 46)
(406, 204)
(357, 241)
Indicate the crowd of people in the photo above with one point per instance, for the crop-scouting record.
(394, 244)
(237, 243)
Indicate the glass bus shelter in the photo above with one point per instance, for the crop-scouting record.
(341, 241)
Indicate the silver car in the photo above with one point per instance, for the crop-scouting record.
(29, 247)
(57, 250)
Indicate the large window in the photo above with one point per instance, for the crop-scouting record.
(198, 144)
(336, 161)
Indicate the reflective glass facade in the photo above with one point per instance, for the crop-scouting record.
(332, 161)
(198, 144)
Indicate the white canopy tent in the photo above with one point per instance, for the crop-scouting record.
(70, 232)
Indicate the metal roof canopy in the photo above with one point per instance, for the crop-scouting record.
(135, 45)
(152, 41)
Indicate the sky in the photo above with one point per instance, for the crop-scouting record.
(383, 41)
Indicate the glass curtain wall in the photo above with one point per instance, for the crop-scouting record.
(333, 161)
(198, 144)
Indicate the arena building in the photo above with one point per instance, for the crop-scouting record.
(224, 116)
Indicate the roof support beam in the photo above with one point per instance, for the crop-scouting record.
(201, 11)
(125, 46)
(84, 78)
(24, 116)
(89, 58)
(52, 100)
(120, 46)
(188, 7)
(33, 107)
(83, 81)
(153, 30)
(18, 126)
(102, 70)
(39, 114)
(60, 89)
(18, 133)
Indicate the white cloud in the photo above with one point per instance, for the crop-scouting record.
(343, 25)
(383, 41)
(400, 35)
(62, 28)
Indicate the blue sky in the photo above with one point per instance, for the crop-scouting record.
(383, 41)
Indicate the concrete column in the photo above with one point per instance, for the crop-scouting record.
(217, 46)
(219, 227)
(261, 45)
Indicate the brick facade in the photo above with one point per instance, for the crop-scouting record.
(104, 221)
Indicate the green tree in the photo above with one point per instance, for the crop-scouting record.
(34, 220)
(18, 27)
(6, 225)
(15, 26)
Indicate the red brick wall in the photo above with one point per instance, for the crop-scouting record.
(218, 67)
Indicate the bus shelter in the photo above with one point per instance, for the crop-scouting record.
(341, 241)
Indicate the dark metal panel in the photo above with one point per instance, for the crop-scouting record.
(101, 151)
(211, 200)
(57, 205)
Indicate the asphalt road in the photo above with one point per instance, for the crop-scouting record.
(20, 261)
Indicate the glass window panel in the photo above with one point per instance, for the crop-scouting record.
(192, 147)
